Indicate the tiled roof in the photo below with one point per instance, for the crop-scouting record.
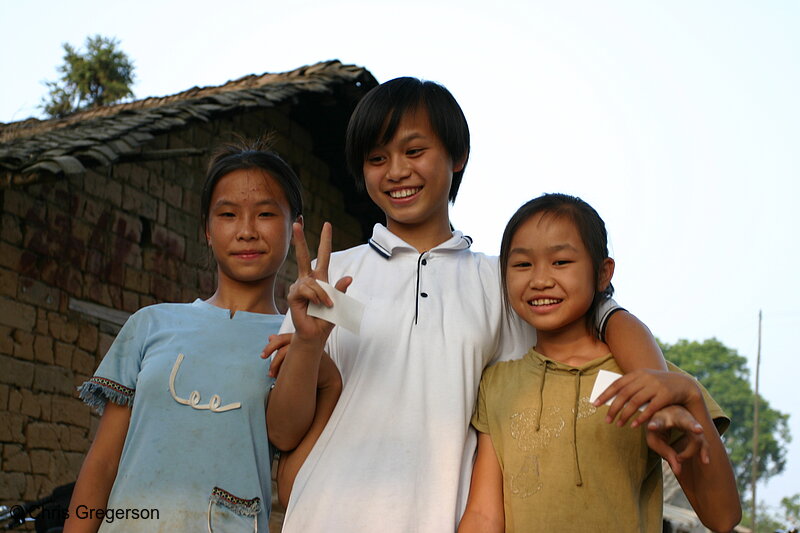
(102, 136)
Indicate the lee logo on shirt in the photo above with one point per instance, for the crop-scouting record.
(213, 404)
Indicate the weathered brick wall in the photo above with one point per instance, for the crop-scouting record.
(123, 237)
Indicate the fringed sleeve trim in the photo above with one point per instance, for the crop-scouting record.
(236, 504)
(97, 391)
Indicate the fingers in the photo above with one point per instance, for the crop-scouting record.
(657, 443)
(277, 362)
(308, 290)
(275, 343)
(343, 283)
(301, 254)
(324, 251)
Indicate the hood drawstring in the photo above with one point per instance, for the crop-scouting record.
(578, 478)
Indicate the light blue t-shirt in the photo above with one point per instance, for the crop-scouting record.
(197, 446)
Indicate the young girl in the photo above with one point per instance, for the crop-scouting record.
(182, 441)
(397, 453)
(547, 458)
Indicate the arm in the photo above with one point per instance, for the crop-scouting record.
(484, 512)
(328, 390)
(709, 482)
(293, 400)
(632, 344)
(99, 468)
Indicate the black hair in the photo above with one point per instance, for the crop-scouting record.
(377, 116)
(243, 154)
(591, 229)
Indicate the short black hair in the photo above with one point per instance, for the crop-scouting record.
(243, 154)
(591, 229)
(377, 116)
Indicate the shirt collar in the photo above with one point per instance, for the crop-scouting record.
(387, 243)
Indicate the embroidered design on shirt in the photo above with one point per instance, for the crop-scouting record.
(113, 385)
(213, 404)
(526, 481)
(585, 408)
(523, 428)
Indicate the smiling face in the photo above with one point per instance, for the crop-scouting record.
(409, 179)
(550, 278)
(249, 227)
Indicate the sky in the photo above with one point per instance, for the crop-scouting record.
(678, 121)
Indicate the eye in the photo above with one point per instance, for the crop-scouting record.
(375, 159)
(266, 214)
(562, 262)
(411, 152)
(520, 264)
(226, 214)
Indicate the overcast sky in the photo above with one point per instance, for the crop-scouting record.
(679, 122)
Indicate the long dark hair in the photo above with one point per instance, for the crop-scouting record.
(591, 229)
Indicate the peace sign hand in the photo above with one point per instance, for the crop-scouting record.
(306, 289)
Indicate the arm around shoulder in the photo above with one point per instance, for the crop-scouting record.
(99, 468)
(632, 343)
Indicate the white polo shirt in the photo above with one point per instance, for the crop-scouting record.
(397, 453)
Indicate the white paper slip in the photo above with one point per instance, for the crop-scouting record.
(602, 382)
(346, 311)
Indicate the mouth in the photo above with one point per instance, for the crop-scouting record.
(399, 194)
(541, 302)
(248, 254)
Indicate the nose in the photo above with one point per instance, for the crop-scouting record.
(398, 169)
(541, 279)
(246, 230)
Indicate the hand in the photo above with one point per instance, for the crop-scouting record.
(692, 443)
(659, 388)
(279, 344)
(306, 289)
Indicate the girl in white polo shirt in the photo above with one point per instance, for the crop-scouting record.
(396, 454)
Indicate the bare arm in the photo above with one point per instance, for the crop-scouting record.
(99, 468)
(328, 391)
(709, 482)
(290, 411)
(484, 512)
(632, 344)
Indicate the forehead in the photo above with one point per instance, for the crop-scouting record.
(251, 183)
(414, 121)
(546, 230)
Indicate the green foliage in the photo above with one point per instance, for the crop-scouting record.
(791, 509)
(767, 522)
(102, 75)
(725, 374)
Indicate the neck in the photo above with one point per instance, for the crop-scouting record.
(256, 297)
(574, 346)
(423, 237)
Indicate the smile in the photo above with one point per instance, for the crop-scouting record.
(544, 301)
(249, 254)
(404, 193)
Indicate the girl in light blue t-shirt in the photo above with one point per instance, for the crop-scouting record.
(182, 442)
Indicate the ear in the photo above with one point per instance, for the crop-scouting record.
(458, 164)
(300, 221)
(605, 274)
(208, 235)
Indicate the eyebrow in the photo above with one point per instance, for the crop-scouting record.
(554, 248)
(224, 202)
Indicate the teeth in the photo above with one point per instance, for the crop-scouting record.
(544, 301)
(404, 193)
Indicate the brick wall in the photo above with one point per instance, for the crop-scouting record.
(120, 237)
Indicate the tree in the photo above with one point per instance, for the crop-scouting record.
(102, 75)
(725, 374)
(791, 509)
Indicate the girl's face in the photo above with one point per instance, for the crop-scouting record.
(249, 226)
(549, 278)
(409, 177)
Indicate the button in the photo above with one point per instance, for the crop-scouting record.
(424, 262)
(424, 294)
